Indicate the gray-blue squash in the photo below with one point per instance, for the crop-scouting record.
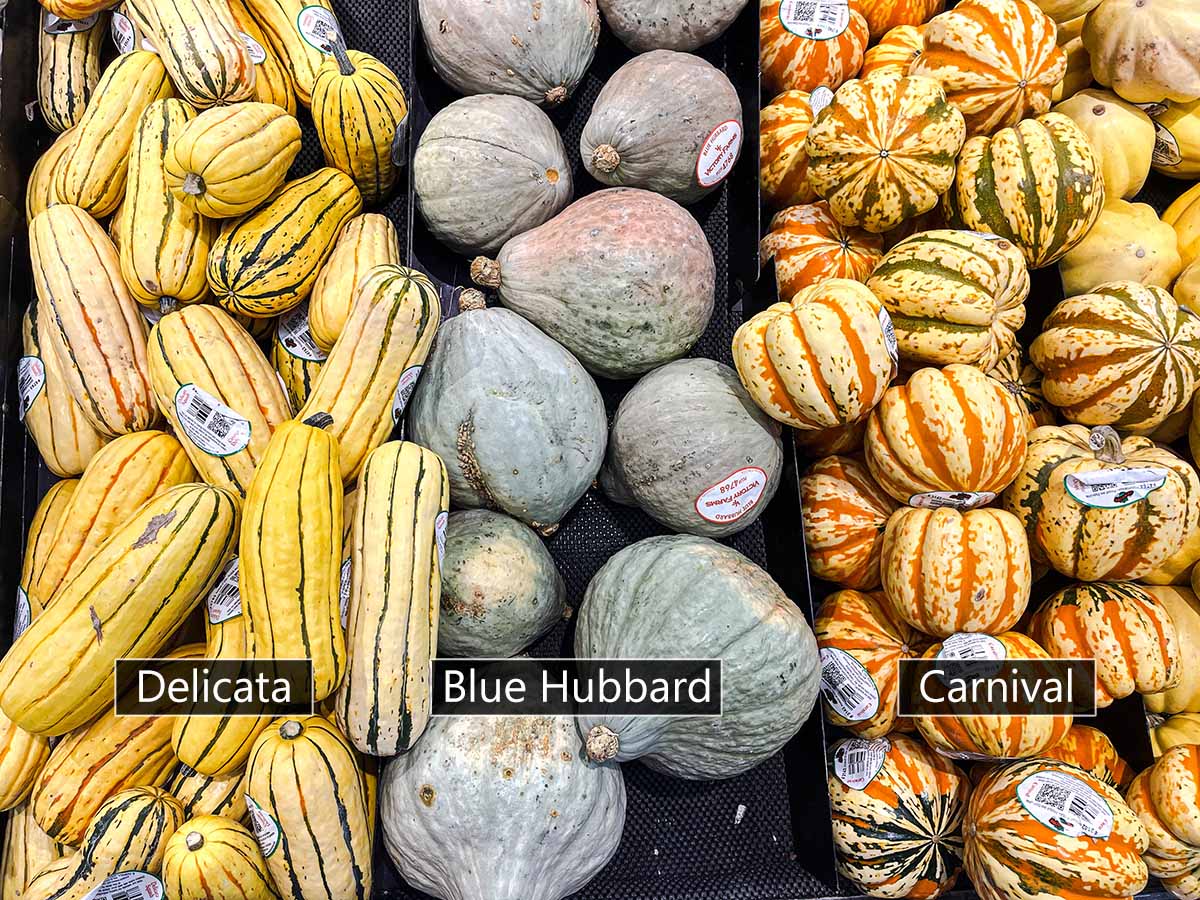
(500, 808)
(669, 24)
(689, 447)
(516, 419)
(500, 588)
(691, 598)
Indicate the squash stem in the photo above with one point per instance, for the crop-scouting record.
(602, 743)
(471, 299)
(1107, 444)
(485, 272)
(194, 840)
(193, 184)
(290, 730)
(167, 305)
(320, 420)
(605, 159)
(345, 66)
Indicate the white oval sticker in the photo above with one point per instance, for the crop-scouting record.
(31, 379)
(960, 500)
(210, 424)
(818, 20)
(266, 829)
(53, 24)
(889, 339)
(820, 98)
(404, 391)
(123, 32)
(224, 601)
(344, 591)
(733, 496)
(439, 535)
(856, 761)
(23, 614)
(295, 336)
(847, 686)
(1067, 804)
(1114, 488)
(319, 28)
(719, 153)
(127, 886)
(968, 645)
(148, 45)
(1166, 147)
(257, 54)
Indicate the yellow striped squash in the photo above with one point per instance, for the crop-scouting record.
(882, 152)
(39, 542)
(308, 807)
(1101, 540)
(1165, 733)
(367, 241)
(201, 47)
(128, 834)
(40, 189)
(951, 429)
(88, 320)
(946, 571)
(65, 438)
(281, 20)
(217, 746)
(998, 60)
(1037, 184)
(272, 82)
(22, 756)
(27, 850)
(954, 297)
(819, 361)
(201, 795)
(384, 702)
(91, 174)
(1184, 216)
(128, 472)
(126, 601)
(295, 355)
(360, 112)
(373, 367)
(163, 243)
(218, 390)
(228, 160)
(1125, 355)
(108, 755)
(68, 69)
(265, 263)
(215, 858)
(290, 553)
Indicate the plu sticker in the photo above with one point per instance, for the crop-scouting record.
(1166, 147)
(847, 686)
(23, 614)
(733, 496)
(404, 391)
(210, 424)
(439, 535)
(818, 20)
(31, 380)
(53, 24)
(295, 336)
(224, 601)
(319, 28)
(1114, 488)
(889, 339)
(123, 32)
(258, 55)
(820, 98)
(1155, 109)
(153, 316)
(719, 153)
(127, 886)
(970, 646)
(1067, 804)
(344, 592)
(266, 829)
(856, 761)
(960, 500)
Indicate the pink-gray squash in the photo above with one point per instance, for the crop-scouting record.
(536, 49)
(666, 121)
(623, 278)
(669, 24)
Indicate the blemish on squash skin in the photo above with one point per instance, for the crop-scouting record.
(507, 773)
(153, 527)
(428, 794)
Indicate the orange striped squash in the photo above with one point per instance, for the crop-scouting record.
(883, 151)
(844, 514)
(793, 61)
(945, 571)
(819, 361)
(951, 429)
(1166, 800)
(884, 16)
(899, 834)
(1127, 631)
(998, 60)
(862, 644)
(896, 51)
(1091, 750)
(783, 155)
(829, 441)
(809, 245)
(984, 735)
(1023, 380)
(1012, 854)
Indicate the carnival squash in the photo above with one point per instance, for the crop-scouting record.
(1091, 749)
(1121, 136)
(809, 245)
(1024, 381)
(806, 46)
(884, 16)
(1164, 798)
(1184, 610)
(1146, 50)
(783, 150)
(896, 51)
(831, 441)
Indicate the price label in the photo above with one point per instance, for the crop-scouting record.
(1114, 488)
(52, 24)
(210, 424)
(719, 153)
(439, 535)
(23, 614)
(404, 392)
(856, 761)
(266, 829)
(127, 886)
(258, 55)
(733, 497)
(847, 686)
(960, 500)
(224, 601)
(818, 20)
(344, 592)
(1067, 804)
(31, 381)
(295, 336)
(319, 28)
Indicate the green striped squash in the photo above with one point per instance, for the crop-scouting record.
(266, 262)
(954, 297)
(309, 810)
(1125, 355)
(295, 355)
(68, 70)
(384, 700)
(201, 795)
(1037, 184)
(897, 832)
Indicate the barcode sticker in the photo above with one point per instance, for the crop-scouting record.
(404, 391)
(733, 496)
(971, 646)
(53, 24)
(439, 535)
(23, 614)
(847, 686)
(1166, 147)
(344, 591)
(1067, 804)
(889, 340)
(295, 336)
(856, 762)
(266, 829)
(31, 379)
(123, 32)
(960, 500)
(258, 55)
(224, 601)
(319, 28)
(127, 886)
(820, 98)
(210, 424)
(1114, 488)
(718, 153)
(818, 20)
